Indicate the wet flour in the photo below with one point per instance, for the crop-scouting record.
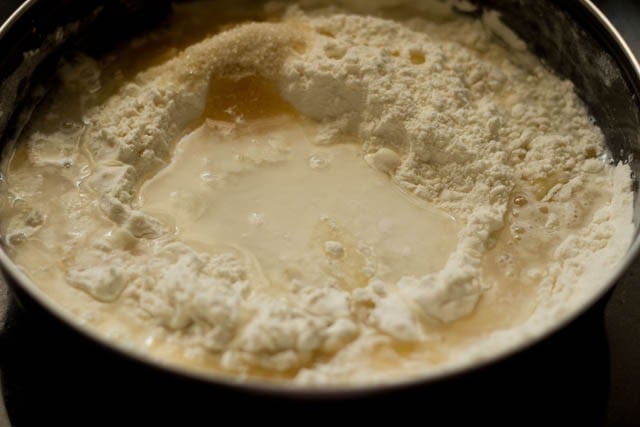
(330, 197)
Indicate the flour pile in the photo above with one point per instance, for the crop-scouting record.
(452, 115)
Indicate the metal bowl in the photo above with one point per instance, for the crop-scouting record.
(572, 37)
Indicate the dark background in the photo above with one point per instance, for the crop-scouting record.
(588, 374)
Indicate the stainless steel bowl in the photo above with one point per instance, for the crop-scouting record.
(572, 37)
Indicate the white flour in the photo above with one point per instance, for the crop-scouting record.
(441, 107)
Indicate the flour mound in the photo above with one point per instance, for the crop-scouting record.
(440, 107)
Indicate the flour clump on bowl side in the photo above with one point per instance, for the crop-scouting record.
(323, 197)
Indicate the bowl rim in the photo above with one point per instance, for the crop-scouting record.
(290, 389)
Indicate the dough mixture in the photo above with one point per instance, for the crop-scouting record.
(317, 194)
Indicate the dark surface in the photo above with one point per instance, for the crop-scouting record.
(588, 374)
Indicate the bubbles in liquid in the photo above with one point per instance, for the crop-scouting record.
(520, 201)
(318, 162)
(256, 218)
(69, 126)
(517, 229)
